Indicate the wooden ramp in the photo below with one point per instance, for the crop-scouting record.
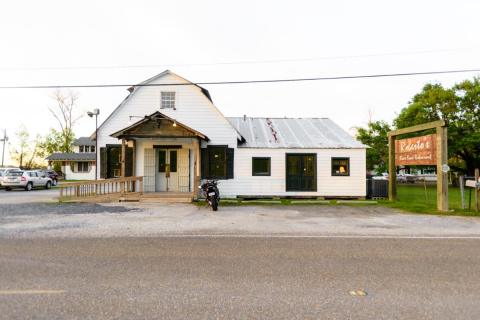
(158, 197)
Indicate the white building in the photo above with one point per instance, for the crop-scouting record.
(171, 133)
(80, 164)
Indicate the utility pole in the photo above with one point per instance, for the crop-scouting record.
(95, 113)
(4, 140)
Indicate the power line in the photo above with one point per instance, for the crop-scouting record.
(384, 75)
(240, 62)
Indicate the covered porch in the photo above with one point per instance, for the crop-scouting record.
(165, 152)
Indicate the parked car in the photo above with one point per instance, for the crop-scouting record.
(427, 177)
(26, 179)
(52, 174)
(406, 178)
(4, 172)
(384, 176)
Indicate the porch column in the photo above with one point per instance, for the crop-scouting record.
(197, 166)
(122, 161)
(134, 158)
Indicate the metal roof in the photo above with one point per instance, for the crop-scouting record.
(84, 141)
(82, 156)
(293, 133)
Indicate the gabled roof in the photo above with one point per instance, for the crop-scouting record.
(155, 117)
(293, 133)
(83, 156)
(204, 91)
(132, 91)
(84, 141)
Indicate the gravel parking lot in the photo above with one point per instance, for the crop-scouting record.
(21, 196)
(140, 219)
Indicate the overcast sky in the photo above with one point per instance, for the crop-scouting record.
(97, 42)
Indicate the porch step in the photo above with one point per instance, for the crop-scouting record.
(167, 200)
(158, 197)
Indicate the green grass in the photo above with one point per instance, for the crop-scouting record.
(272, 202)
(413, 198)
(410, 198)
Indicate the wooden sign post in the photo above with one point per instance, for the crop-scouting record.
(424, 150)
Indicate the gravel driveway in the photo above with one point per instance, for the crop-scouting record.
(21, 196)
(138, 219)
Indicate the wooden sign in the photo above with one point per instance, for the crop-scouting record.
(416, 151)
(425, 150)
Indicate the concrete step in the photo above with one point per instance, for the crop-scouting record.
(158, 197)
(167, 200)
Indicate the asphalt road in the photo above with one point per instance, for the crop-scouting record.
(239, 278)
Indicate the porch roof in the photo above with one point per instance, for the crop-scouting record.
(153, 126)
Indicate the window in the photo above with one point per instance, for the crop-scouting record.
(82, 166)
(217, 162)
(173, 160)
(260, 166)
(92, 148)
(162, 161)
(168, 100)
(340, 166)
(81, 149)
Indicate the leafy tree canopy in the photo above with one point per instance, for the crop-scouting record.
(375, 136)
(56, 141)
(459, 106)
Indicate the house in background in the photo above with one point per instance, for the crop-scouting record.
(169, 131)
(78, 165)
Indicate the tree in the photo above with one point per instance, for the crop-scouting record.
(20, 152)
(375, 136)
(54, 141)
(64, 113)
(28, 154)
(459, 106)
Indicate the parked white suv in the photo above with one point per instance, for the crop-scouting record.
(26, 179)
(3, 173)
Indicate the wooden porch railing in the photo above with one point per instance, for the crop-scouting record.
(101, 187)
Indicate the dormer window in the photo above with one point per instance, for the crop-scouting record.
(86, 149)
(168, 100)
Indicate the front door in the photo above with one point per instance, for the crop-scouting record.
(301, 172)
(167, 175)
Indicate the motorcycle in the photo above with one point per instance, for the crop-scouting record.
(210, 190)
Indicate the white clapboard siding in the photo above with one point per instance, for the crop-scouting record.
(149, 170)
(183, 167)
(275, 185)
